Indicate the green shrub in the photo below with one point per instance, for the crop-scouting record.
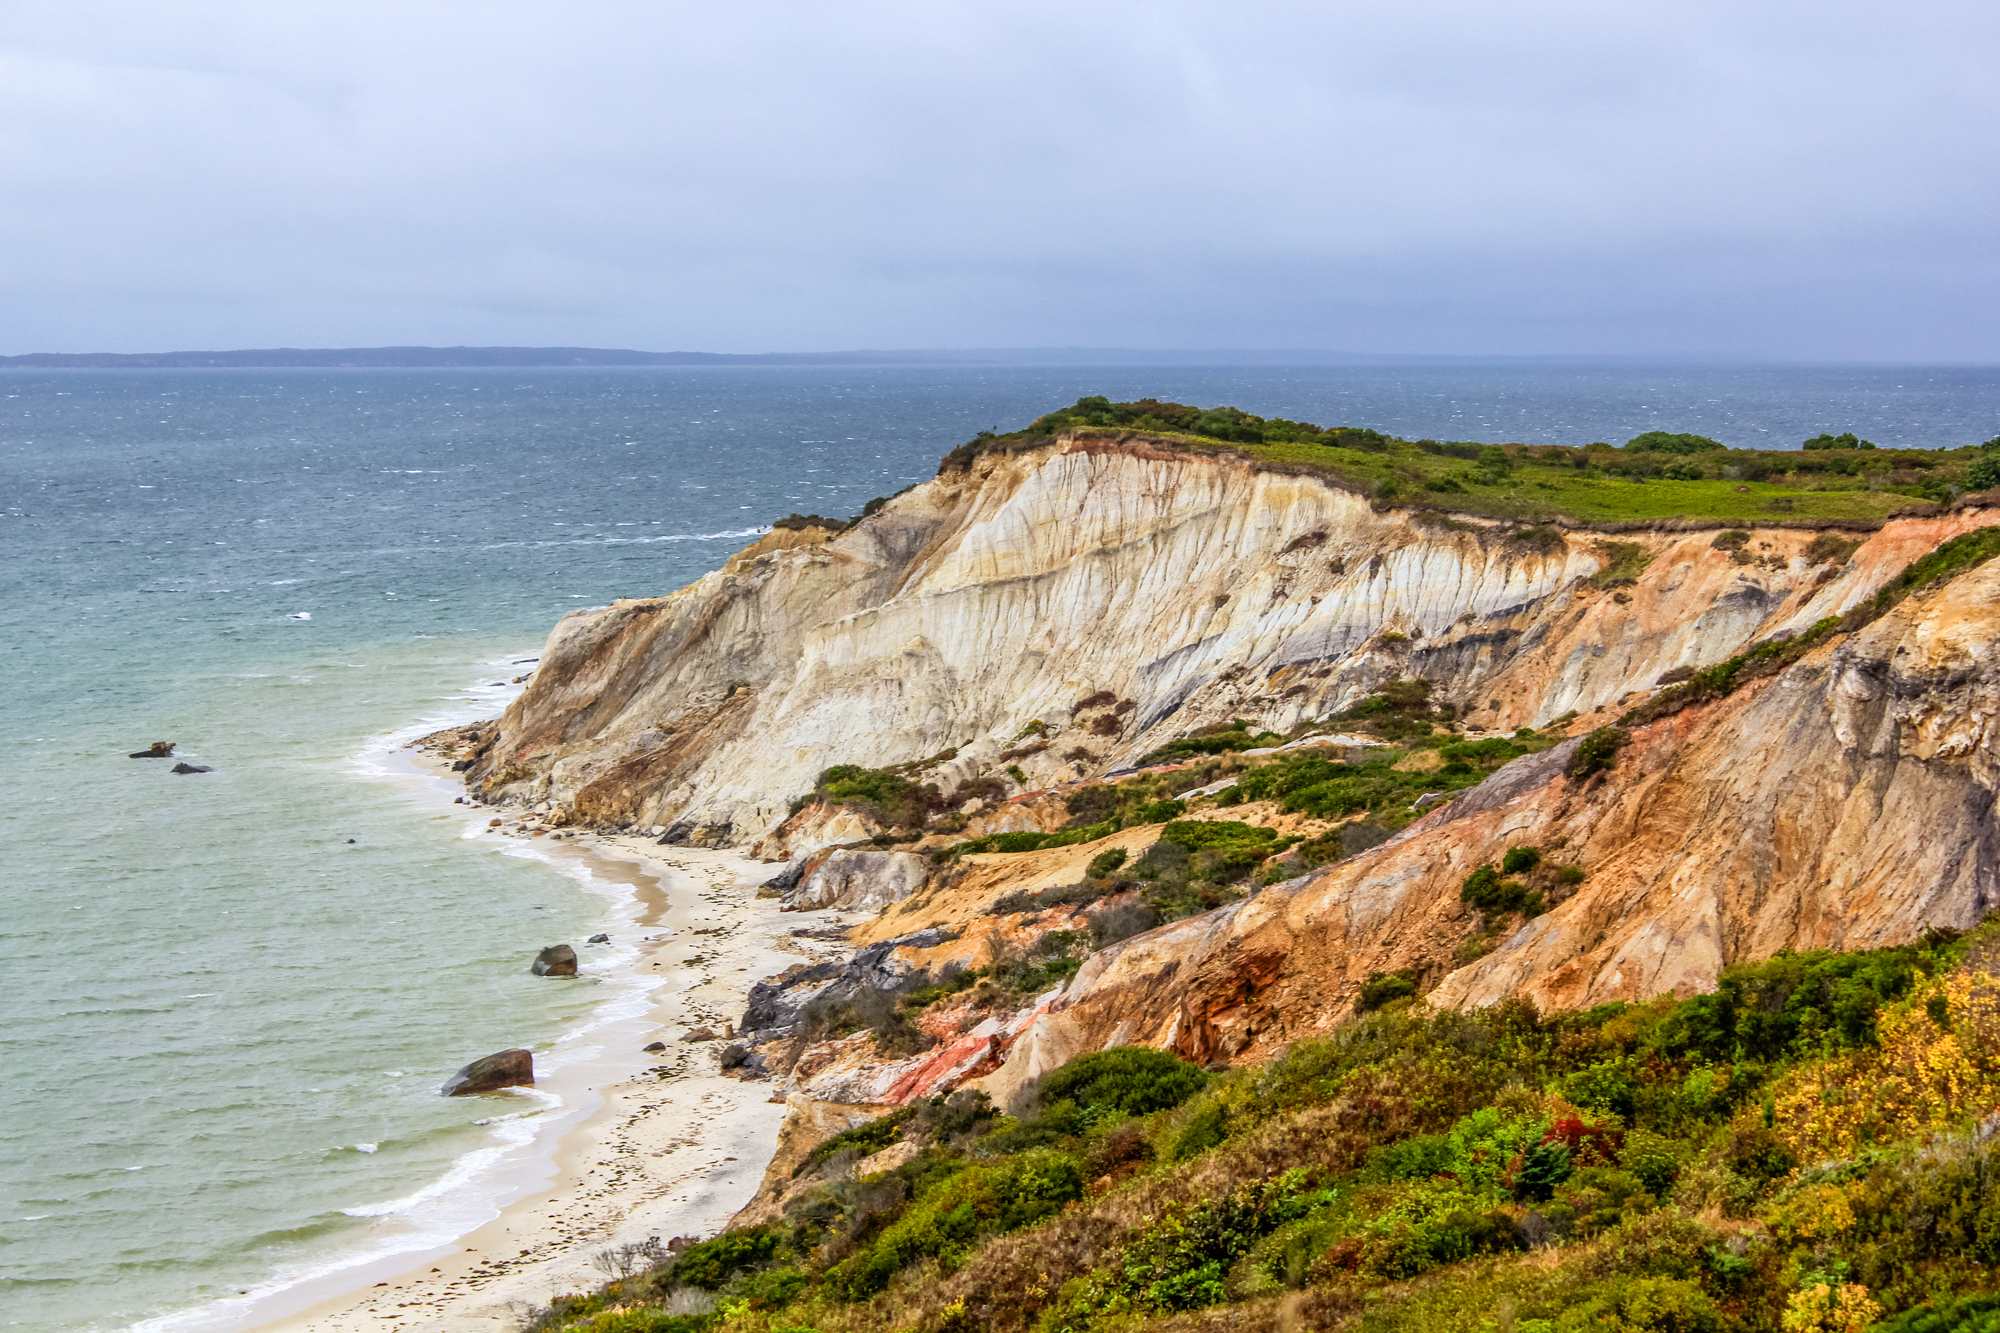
(1666, 442)
(1519, 860)
(1597, 752)
(1966, 1314)
(866, 1139)
(1183, 1261)
(1496, 897)
(1104, 863)
(1545, 1166)
(1628, 1304)
(902, 803)
(1383, 987)
(1623, 563)
(711, 1263)
(950, 1216)
(1127, 1080)
(1205, 1129)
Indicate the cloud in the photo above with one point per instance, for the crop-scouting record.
(1752, 178)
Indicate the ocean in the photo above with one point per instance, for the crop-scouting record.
(230, 996)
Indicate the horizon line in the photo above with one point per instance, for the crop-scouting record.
(524, 357)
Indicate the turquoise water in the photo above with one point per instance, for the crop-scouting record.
(225, 1021)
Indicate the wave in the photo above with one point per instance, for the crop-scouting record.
(731, 534)
(476, 1184)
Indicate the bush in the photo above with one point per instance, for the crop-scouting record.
(1830, 548)
(950, 1216)
(1665, 442)
(1629, 1304)
(1383, 987)
(902, 803)
(1122, 922)
(1126, 1080)
(1966, 1314)
(1543, 1167)
(1623, 563)
(1519, 860)
(1204, 1130)
(709, 1264)
(1496, 897)
(1105, 862)
(1597, 752)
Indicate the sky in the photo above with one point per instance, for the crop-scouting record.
(1809, 180)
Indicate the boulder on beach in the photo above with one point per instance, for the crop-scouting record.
(698, 1034)
(558, 960)
(190, 768)
(503, 1069)
(157, 750)
(654, 1046)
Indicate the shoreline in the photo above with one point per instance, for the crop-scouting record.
(660, 1145)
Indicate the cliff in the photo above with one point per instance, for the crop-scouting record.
(1844, 803)
(1198, 587)
(1032, 625)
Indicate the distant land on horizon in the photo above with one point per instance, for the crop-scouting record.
(462, 357)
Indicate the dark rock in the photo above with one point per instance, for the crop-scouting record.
(504, 1069)
(598, 939)
(789, 877)
(460, 765)
(776, 1001)
(157, 750)
(190, 768)
(558, 960)
(654, 1046)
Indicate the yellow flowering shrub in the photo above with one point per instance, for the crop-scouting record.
(1827, 1309)
(1936, 1062)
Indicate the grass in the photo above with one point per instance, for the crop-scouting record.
(1640, 483)
(1794, 1145)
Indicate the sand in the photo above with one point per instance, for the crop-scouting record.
(673, 1152)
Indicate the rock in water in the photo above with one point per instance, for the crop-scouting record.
(558, 960)
(157, 750)
(190, 768)
(505, 1069)
(598, 939)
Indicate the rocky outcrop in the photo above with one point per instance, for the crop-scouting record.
(157, 750)
(1197, 587)
(857, 881)
(503, 1069)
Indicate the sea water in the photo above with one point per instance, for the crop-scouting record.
(230, 997)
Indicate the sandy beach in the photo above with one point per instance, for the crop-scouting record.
(674, 1151)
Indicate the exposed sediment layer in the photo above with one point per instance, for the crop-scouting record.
(1198, 587)
(1844, 802)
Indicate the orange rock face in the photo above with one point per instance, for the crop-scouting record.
(1846, 802)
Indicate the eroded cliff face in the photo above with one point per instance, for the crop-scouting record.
(1197, 587)
(1846, 803)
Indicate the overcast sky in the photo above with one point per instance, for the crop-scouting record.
(1818, 179)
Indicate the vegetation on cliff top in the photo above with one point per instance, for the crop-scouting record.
(1796, 1151)
(1656, 475)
